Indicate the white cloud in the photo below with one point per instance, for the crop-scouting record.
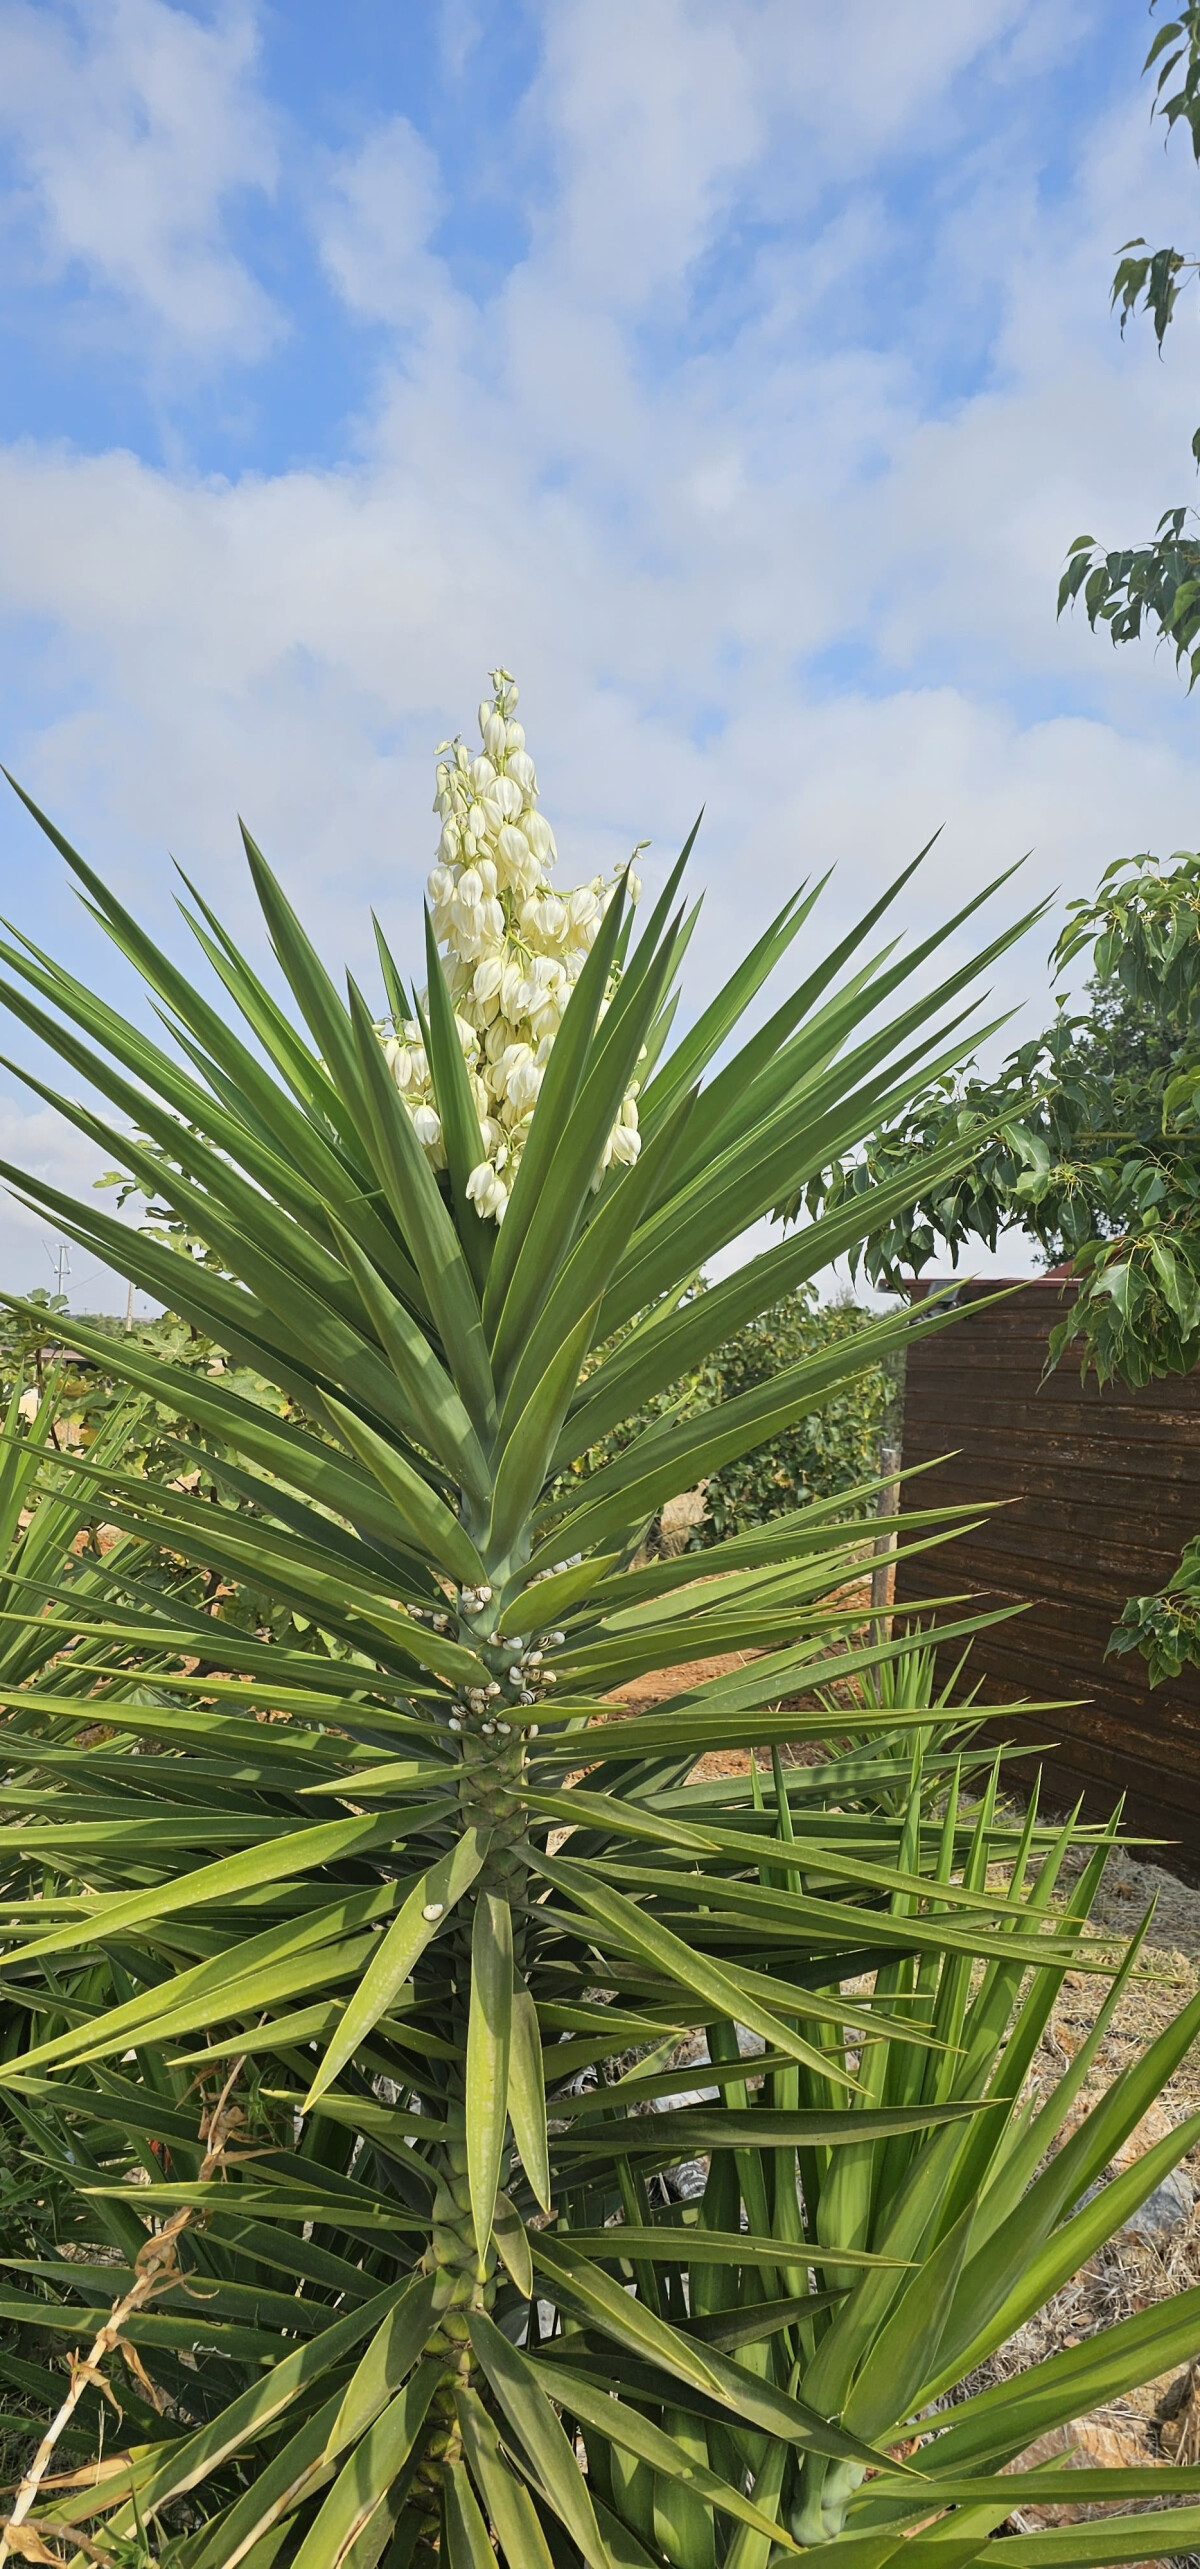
(382, 203)
(133, 124)
(652, 114)
(662, 123)
(659, 549)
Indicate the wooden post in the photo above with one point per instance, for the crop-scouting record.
(883, 1545)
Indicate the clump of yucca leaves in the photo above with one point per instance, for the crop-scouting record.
(379, 1903)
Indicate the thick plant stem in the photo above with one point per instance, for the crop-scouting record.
(488, 1801)
(452, 2256)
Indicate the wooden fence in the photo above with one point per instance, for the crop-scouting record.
(1104, 1491)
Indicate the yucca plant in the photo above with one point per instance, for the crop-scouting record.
(378, 1965)
(46, 1550)
(912, 1680)
(48, 1521)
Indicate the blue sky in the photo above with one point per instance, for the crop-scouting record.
(738, 375)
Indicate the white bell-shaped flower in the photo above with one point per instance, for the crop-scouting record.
(488, 1192)
(507, 796)
(524, 1081)
(624, 1143)
(511, 980)
(583, 908)
(551, 916)
(515, 861)
(540, 837)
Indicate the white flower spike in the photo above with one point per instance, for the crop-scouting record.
(514, 949)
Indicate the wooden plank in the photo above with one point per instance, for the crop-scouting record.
(1129, 1569)
(1077, 1633)
(1003, 1561)
(1150, 1438)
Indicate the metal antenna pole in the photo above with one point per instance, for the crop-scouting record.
(60, 1260)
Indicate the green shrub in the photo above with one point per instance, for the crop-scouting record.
(831, 1449)
(834, 1448)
